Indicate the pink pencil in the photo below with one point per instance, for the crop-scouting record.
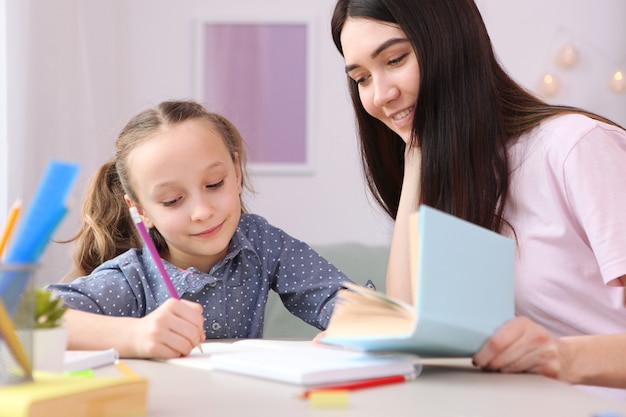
(143, 232)
(155, 254)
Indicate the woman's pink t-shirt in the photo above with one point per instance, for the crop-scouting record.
(567, 204)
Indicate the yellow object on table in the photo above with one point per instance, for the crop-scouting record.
(58, 395)
(329, 399)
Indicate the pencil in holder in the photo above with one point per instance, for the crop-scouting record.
(17, 322)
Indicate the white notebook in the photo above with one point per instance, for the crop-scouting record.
(200, 359)
(76, 360)
(316, 365)
(297, 362)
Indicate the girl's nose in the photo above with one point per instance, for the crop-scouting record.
(201, 210)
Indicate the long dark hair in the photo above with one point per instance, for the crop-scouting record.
(467, 111)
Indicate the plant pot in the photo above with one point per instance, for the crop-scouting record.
(49, 349)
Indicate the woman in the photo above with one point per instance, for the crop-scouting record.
(441, 123)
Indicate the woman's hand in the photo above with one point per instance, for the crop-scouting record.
(170, 331)
(398, 277)
(521, 345)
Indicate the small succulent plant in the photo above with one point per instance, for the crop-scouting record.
(49, 309)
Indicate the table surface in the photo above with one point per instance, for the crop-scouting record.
(445, 388)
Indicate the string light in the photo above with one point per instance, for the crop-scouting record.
(549, 85)
(617, 82)
(567, 57)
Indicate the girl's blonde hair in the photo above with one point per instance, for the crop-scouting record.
(107, 229)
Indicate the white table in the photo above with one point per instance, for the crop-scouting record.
(445, 388)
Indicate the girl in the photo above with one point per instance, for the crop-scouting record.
(183, 168)
(440, 123)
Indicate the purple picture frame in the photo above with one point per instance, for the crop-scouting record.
(256, 74)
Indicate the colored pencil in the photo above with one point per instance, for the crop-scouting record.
(7, 331)
(126, 370)
(365, 383)
(145, 236)
(9, 226)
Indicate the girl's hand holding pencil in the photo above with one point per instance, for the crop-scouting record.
(187, 316)
(170, 331)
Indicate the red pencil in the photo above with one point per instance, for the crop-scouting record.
(364, 383)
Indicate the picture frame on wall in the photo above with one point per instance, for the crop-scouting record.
(258, 75)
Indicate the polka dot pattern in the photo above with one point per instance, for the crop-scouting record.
(234, 292)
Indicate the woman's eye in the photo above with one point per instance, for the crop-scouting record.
(215, 184)
(362, 80)
(397, 60)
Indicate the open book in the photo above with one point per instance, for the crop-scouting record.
(298, 362)
(463, 285)
(201, 359)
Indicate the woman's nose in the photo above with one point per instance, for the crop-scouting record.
(384, 92)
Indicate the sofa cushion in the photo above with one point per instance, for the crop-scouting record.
(358, 261)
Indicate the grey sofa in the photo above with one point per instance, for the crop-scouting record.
(358, 261)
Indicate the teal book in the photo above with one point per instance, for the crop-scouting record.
(463, 286)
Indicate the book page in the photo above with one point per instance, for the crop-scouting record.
(197, 359)
(313, 365)
(414, 250)
(358, 291)
(273, 343)
(362, 311)
(209, 348)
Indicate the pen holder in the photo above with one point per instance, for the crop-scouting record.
(17, 321)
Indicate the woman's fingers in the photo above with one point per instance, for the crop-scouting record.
(521, 345)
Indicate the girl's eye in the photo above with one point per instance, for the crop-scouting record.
(216, 184)
(170, 203)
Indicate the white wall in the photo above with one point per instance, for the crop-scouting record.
(331, 204)
(529, 34)
(4, 172)
(75, 79)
